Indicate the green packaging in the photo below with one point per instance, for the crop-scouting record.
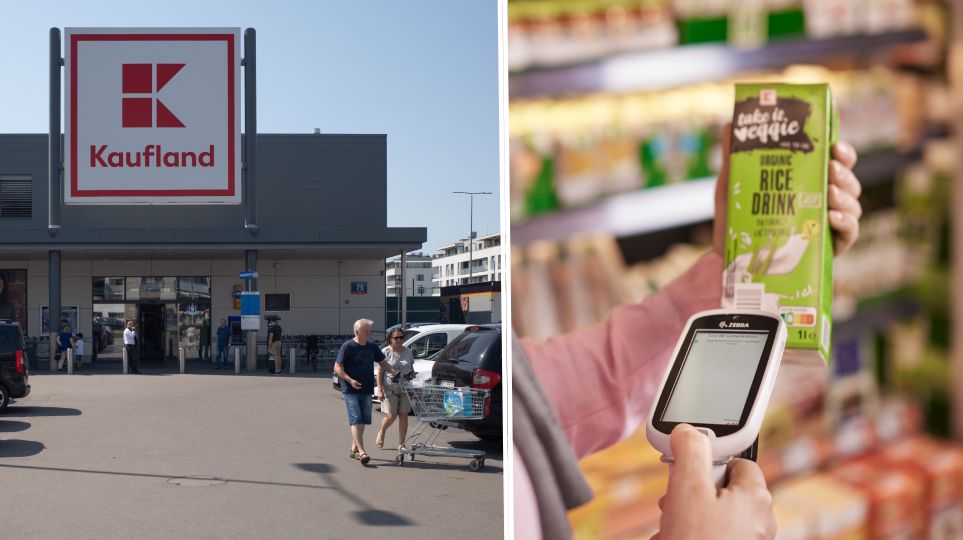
(779, 251)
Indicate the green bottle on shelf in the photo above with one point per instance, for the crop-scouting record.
(542, 197)
(701, 142)
(651, 151)
(787, 23)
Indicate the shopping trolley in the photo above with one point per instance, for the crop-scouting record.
(438, 408)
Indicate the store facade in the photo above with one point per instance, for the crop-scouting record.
(319, 246)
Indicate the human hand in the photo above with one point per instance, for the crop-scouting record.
(844, 191)
(355, 384)
(693, 508)
(381, 394)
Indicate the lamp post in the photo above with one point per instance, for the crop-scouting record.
(471, 227)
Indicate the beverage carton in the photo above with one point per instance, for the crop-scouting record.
(779, 251)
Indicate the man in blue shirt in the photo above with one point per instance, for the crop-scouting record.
(355, 367)
(223, 341)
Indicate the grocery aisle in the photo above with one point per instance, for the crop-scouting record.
(616, 109)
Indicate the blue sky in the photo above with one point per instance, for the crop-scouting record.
(425, 73)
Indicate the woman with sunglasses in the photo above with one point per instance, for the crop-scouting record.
(394, 402)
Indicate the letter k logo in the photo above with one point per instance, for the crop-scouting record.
(138, 112)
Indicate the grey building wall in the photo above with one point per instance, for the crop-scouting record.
(311, 188)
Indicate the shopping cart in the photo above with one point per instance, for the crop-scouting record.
(438, 408)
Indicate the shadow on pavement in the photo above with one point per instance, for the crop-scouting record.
(19, 448)
(380, 518)
(40, 411)
(320, 468)
(492, 449)
(367, 515)
(12, 426)
(164, 477)
(419, 464)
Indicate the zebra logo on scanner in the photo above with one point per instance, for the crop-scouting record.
(724, 324)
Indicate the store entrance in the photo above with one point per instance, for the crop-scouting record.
(150, 321)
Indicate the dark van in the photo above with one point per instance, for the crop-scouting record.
(13, 364)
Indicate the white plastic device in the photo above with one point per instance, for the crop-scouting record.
(719, 380)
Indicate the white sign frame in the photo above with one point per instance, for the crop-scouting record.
(103, 157)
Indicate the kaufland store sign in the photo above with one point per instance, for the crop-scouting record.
(152, 116)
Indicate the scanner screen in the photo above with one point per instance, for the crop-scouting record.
(716, 377)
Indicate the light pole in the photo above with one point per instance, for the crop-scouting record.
(471, 227)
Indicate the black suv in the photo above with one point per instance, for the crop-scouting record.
(13, 364)
(474, 358)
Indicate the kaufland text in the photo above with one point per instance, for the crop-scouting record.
(153, 155)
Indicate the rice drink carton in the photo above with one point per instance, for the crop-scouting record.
(779, 251)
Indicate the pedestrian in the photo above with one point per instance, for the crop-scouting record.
(274, 343)
(205, 353)
(64, 343)
(130, 343)
(355, 367)
(78, 350)
(223, 341)
(394, 402)
(581, 392)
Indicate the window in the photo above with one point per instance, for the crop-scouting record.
(108, 289)
(420, 277)
(16, 197)
(277, 302)
(194, 288)
(421, 290)
(428, 345)
(151, 288)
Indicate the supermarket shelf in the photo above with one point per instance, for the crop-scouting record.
(663, 68)
(671, 206)
(625, 214)
(875, 169)
(874, 315)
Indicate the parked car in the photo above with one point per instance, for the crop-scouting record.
(111, 322)
(474, 359)
(425, 341)
(410, 330)
(14, 371)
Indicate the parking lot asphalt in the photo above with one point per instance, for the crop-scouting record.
(101, 455)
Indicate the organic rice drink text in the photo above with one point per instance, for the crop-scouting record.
(779, 252)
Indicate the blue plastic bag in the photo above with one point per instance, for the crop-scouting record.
(457, 403)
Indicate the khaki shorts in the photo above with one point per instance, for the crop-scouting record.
(395, 400)
(276, 350)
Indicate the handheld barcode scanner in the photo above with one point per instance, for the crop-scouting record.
(719, 381)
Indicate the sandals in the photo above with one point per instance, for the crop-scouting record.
(363, 457)
(380, 440)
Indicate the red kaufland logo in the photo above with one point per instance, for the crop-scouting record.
(152, 116)
(138, 80)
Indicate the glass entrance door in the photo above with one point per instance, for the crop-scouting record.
(194, 324)
(152, 332)
(194, 318)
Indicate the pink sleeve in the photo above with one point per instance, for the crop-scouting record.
(601, 380)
